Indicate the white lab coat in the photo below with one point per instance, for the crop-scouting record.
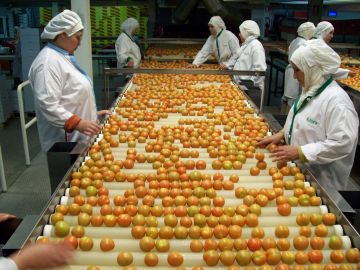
(292, 88)
(8, 264)
(125, 47)
(60, 91)
(251, 56)
(327, 131)
(228, 46)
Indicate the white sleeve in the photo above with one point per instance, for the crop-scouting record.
(341, 73)
(204, 53)
(47, 84)
(122, 48)
(341, 128)
(234, 47)
(7, 264)
(258, 63)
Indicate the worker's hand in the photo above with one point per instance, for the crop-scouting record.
(130, 63)
(37, 256)
(104, 112)
(223, 66)
(285, 153)
(192, 66)
(4, 217)
(87, 127)
(352, 73)
(274, 139)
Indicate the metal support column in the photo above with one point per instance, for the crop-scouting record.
(83, 53)
(315, 8)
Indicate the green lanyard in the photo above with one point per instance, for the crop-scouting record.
(217, 43)
(306, 101)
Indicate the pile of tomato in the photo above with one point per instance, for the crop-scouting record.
(176, 180)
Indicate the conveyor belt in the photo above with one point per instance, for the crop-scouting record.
(211, 118)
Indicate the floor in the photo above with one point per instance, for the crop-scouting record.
(29, 187)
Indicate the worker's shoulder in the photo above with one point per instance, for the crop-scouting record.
(230, 34)
(336, 95)
(48, 59)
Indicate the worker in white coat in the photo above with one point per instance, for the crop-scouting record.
(251, 55)
(222, 44)
(292, 88)
(321, 128)
(127, 50)
(63, 92)
(325, 31)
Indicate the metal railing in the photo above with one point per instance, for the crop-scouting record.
(24, 125)
(2, 173)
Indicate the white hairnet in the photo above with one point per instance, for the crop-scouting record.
(322, 29)
(65, 22)
(129, 25)
(318, 62)
(249, 28)
(217, 23)
(306, 30)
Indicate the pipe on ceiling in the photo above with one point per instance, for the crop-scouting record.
(215, 7)
(183, 10)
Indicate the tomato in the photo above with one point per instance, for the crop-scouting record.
(283, 244)
(259, 156)
(303, 219)
(138, 232)
(321, 230)
(211, 257)
(268, 242)
(315, 256)
(301, 257)
(124, 220)
(273, 256)
(124, 258)
(254, 171)
(315, 219)
(78, 231)
(71, 240)
(151, 259)
(352, 255)
(335, 242)
(288, 257)
(243, 257)
(107, 244)
(254, 244)
(284, 209)
(196, 246)
(235, 231)
(317, 242)
(175, 258)
(162, 245)
(220, 231)
(91, 267)
(227, 257)
(300, 242)
(337, 256)
(282, 231)
(83, 219)
(329, 219)
(62, 229)
(252, 220)
(86, 243)
(210, 244)
(258, 257)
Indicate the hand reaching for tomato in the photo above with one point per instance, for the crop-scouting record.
(39, 256)
(4, 217)
(285, 153)
(274, 139)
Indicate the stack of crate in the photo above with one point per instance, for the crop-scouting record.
(45, 15)
(143, 21)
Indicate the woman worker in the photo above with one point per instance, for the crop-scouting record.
(127, 51)
(292, 87)
(63, 92)
(321, 128)
(251, 55)
(325, 31)
(221, 43)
